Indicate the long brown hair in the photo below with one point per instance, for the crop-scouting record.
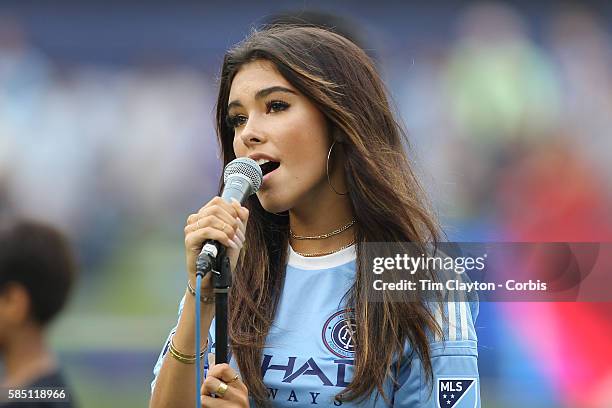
(341, 80)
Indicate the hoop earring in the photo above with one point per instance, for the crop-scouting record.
(327, 170)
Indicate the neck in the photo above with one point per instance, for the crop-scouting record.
(26, 357)
(323, 217)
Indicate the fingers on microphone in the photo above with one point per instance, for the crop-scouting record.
(237, 241)
(196, 238)
(242, 212)
(191, 222)
(218, 202)
(219, 218)
(191, 219)
(232, 243)
(225, 214)
(240, 230)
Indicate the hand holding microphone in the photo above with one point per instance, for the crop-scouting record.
(222, 220)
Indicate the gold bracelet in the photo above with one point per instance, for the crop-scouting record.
(182, 357)
(203, 299)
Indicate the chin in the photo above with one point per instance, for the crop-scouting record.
(273, 204)
(274, 208)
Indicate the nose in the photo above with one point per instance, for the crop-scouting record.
(250, 134)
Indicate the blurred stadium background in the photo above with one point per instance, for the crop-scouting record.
(106, 113)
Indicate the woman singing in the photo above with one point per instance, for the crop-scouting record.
(310, 108)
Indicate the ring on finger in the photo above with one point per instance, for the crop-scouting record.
(223, 228)
(233, 379)
(221, 389)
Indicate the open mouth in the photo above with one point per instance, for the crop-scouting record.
(269, 167)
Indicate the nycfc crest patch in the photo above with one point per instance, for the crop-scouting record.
(457, 392)
(337, 334)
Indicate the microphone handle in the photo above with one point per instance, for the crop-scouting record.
(238, 186)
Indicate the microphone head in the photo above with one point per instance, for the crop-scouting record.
(246, 167)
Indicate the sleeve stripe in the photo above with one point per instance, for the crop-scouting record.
(438, 317)
(455, 317)
(452, 321)
(464, 324)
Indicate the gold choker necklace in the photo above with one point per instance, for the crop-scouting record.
(323, 236)
(324, 253)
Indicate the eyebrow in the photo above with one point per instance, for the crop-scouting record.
(262, 93)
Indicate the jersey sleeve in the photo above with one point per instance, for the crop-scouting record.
(454, 360)
(166, 346)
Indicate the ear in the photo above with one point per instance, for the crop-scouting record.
(15, 303)
(338, 136)
(335, 135)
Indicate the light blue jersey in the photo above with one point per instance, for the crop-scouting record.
(309, 353)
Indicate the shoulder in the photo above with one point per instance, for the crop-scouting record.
(454, 361)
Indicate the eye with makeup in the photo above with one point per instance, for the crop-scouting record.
(276, 106)
(234, 121)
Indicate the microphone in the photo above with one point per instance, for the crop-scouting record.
(241, 178)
